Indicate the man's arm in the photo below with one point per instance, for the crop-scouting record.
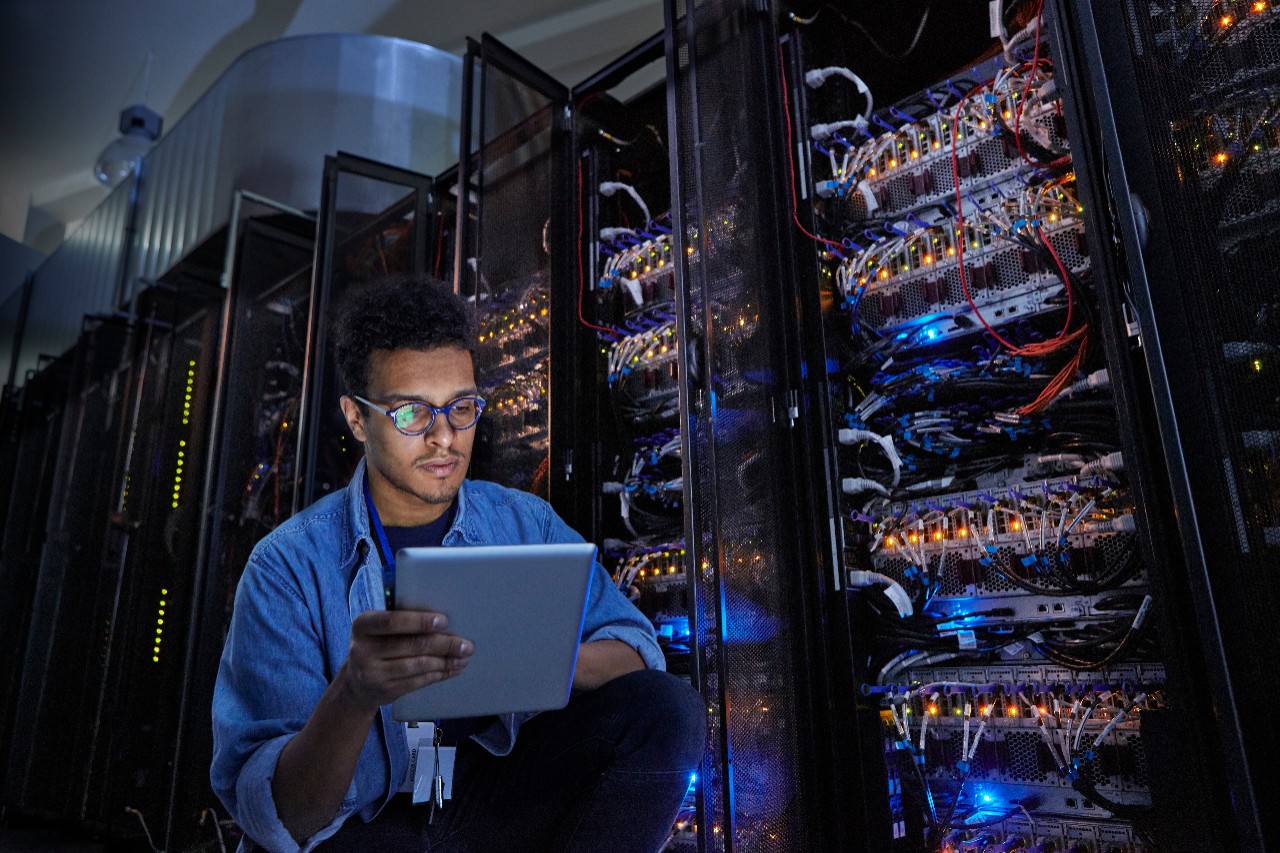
(392, 653)
(602, 661)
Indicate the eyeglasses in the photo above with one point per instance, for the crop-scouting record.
(419, 417)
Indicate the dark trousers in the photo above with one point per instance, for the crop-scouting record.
(607, 772)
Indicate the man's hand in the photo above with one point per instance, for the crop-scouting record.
(394, 652)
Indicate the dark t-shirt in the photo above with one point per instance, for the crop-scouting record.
(452, 732)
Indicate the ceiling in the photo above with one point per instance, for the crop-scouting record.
(69, 66)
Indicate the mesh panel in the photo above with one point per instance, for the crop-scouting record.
(509, 277)
(737, 452)
(1208, 80)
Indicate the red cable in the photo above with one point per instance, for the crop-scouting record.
(581, 274)
(791, 172)
(1061, 338)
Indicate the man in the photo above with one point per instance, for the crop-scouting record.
(306, 754)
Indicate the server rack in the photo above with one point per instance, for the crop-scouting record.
(65, 527)
(251, 452)
(769, 662)
(35, 429)
(1180, 99)
(1046, 694)
(146, 598)
(578, 279)
(374, 220)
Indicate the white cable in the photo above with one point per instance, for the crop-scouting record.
(858, 436)
(608, 188)
(893, 589)
(818, 76)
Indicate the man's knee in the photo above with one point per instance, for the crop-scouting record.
(668, 711)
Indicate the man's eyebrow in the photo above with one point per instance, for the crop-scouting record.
(471, 391)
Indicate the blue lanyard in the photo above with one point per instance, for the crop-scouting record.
(388, 557)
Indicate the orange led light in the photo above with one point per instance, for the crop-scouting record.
(964, 532)
(890, 542)
(1221, 157)
(1226, 21)
(893, 164)
(1259, 6)
(928, 259)
(937, 534)
(1011, 710)
(1017, 525)
(914, 538)
(984, 709)
(933, 710)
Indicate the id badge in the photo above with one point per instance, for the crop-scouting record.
(423, 757)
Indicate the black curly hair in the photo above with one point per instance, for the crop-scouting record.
(398, 312)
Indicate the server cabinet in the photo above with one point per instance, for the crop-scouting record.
(36, 431)
(250, 456)
(1017, 613)
(760, 559)
(63, 656)
(1181, 103)
(375, 220)
(567, 254)
(511, 245)
(145, 593)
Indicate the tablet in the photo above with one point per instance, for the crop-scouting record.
(521, 605)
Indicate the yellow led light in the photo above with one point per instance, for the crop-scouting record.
(871, 173)
(156, 659)
(1257, 365)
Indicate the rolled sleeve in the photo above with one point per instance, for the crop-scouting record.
(271, 675)
(257, 815)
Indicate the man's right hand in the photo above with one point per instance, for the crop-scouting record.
(394, 652)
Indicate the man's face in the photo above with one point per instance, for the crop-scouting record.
(414, 478)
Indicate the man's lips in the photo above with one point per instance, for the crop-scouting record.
(439, 467)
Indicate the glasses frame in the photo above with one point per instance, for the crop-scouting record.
(445, 410)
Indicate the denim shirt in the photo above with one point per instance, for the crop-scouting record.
(291, 628)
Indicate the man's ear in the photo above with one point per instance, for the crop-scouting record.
(355, 417)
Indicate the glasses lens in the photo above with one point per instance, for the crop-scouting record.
(464, 413)
(413, 417)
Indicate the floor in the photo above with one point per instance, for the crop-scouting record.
(45, 841)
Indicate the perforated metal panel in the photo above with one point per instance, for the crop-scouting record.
(759, 793)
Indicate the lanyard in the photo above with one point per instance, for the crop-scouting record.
(384, 547)
(389, 589)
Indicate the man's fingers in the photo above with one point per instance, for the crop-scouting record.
(376, 623)
(416, 667)
(440, 645)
